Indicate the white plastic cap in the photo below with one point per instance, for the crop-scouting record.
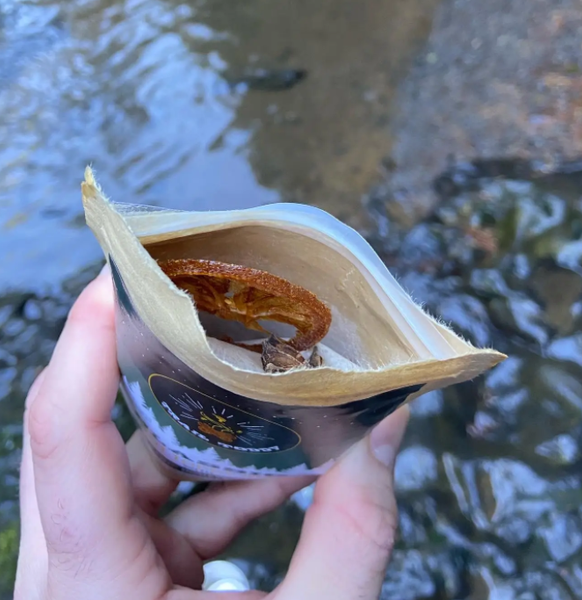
(223, 576)
(228, 585)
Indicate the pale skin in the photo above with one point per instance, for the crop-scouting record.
(90, 503)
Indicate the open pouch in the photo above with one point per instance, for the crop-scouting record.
(207, 406)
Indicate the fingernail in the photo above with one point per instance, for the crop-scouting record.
(384, 453)
(381, 448)
(386, 437)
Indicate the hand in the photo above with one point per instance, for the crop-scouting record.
(90, 503)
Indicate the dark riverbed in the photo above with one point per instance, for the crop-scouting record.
(211, 104)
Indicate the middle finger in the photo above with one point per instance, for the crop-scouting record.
(152, 487)
(212, 519)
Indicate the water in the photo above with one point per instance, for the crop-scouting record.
(489, 479)
(170, 104)
(145, 92)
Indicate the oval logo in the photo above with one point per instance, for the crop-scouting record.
(219, 423)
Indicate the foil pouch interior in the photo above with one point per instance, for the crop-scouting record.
(379, 339)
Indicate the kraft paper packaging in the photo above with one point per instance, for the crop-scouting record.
(207, 408)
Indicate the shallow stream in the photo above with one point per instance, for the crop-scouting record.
(217, 104)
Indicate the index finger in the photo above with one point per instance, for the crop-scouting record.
(80, 465)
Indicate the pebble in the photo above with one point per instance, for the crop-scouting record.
(8, 379)
(416, 467)
(14, 327)
(562, 536)
(562, 450)
(468, 317)
(5, 314)
(427, 405)
(408, 577)
(7, 358)
(32, 310)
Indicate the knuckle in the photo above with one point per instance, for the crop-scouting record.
(40, 424)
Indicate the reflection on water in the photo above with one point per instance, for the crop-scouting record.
(184, 104)
(143, 90)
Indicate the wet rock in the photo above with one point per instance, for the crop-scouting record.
(506, 398)
(7, 359)
(408, 577)
(505, 289)
(506, 375)
(562, 536)
(28, 338)
(422, 248)
(558, 290)
(416, 468)
(32, 310)
(520, 266)
(269, 80)
(483, 424)
(567, 349)
(463, 483)
(412, 530)
(536, 215)
(576, 310)
(521, 316)
(509, 403)
(512, 481)
(468, 317)
(561, 450)
(423, 289)
(516, 531)
(563, 388)
(5, 314)
(569, 255)
(427, 405)
(494, 493)
(8, 379)
(489, 283)
(54, 310)
(14, 327)
(533, 585)
(27, 377)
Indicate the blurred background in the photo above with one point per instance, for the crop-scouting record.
(448, 132)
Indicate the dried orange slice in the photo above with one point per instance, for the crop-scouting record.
(248, 295)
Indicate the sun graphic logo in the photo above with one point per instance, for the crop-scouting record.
(217, 426)
(218, 423)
